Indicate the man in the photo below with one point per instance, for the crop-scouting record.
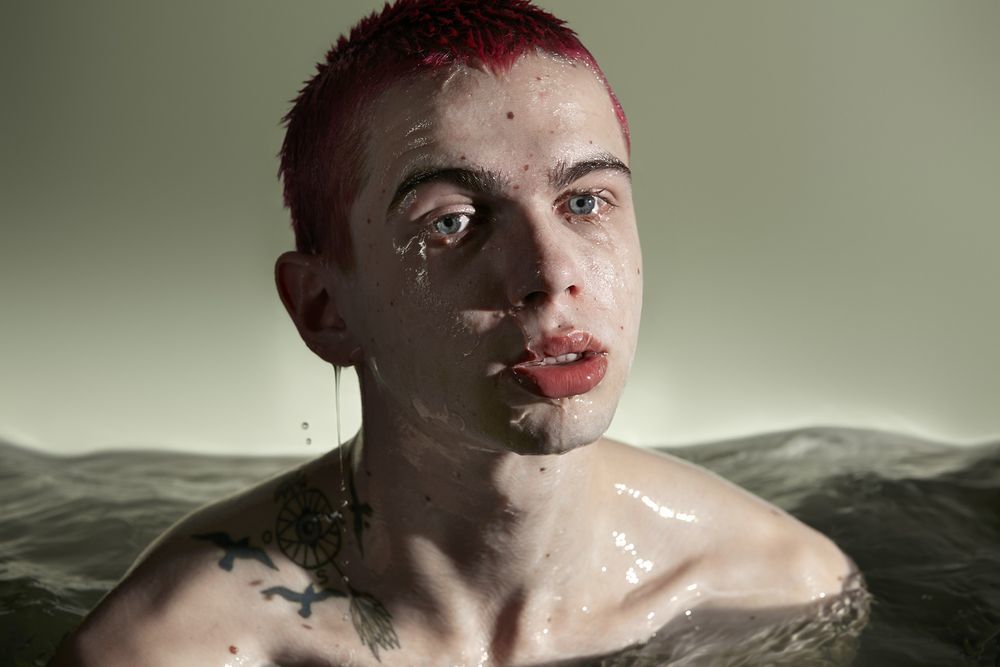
(457, 174)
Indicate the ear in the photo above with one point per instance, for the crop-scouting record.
(305, 285)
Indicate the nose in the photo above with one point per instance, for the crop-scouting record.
(542, 263)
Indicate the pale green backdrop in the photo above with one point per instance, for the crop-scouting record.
(818, 186)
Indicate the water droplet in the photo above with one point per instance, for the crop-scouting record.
(305, 426)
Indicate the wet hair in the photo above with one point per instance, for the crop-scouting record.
(322, 156)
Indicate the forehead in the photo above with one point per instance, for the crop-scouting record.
(545, 109)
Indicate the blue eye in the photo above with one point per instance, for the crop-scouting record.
(582, 204)
(452, 224)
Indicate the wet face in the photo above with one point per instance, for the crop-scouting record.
(497, 291)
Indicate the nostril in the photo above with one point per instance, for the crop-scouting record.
(572, 290)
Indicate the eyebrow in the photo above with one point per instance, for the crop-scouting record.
(566, 174)
(492, 183)
(477, 180)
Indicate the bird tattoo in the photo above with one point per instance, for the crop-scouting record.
(236, 549)
(305, 598)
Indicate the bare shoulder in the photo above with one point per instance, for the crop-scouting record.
(183, 601)
(748, 550)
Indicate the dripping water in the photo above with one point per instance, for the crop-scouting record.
(340, 447)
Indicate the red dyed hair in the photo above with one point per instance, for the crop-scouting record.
(322, 156)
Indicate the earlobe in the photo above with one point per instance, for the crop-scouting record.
(305, 285)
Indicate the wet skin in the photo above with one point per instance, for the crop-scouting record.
(521, 227)
(479, 517)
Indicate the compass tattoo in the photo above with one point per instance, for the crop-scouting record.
(310, 533)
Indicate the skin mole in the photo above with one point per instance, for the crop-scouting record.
(510, 115)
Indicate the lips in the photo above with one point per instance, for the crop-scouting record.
(562, 366)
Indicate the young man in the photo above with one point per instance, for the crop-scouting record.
(457, 174)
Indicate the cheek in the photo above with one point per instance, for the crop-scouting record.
(613, 277)
(413, 305)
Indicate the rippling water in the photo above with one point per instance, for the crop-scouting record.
(921, 520)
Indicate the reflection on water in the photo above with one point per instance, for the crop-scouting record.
(922, 522)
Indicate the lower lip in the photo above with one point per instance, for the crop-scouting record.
(563, 380)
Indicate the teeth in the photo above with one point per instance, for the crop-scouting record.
(561, 359)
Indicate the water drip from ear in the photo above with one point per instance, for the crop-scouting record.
(340, 448)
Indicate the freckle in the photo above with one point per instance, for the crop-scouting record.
(538, 78)
(368, 473)
(637, 272)
(510, 114)
(517, 187)
(392, 302)
(547, 555)
(541, 470)
(255, 582)
(369, 221)
(525, 167)
(427, 498)
(621, 328)
(590, 142)
(233, 650)
(461, 157)
(307, 627)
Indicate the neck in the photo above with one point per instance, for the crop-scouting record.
(500, 528)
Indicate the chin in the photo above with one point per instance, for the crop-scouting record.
(535, 433)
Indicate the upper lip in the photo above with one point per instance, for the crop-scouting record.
(574, 342)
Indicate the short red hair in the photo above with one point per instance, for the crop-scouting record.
(323, 152)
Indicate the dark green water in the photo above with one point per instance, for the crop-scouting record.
(921, 520)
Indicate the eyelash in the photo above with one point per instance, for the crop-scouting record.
(477, 216)
(598, 193)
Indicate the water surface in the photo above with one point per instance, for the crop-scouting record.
(920, 519)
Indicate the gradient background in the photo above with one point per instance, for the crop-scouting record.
(818, 187)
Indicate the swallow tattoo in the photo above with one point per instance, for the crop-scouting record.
(236, 549)
(305, 599)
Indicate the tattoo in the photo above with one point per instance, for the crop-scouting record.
(309, 532)
(361, 511)
(307, 529)
(304, 599)
(373, 623)
(235, 549)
